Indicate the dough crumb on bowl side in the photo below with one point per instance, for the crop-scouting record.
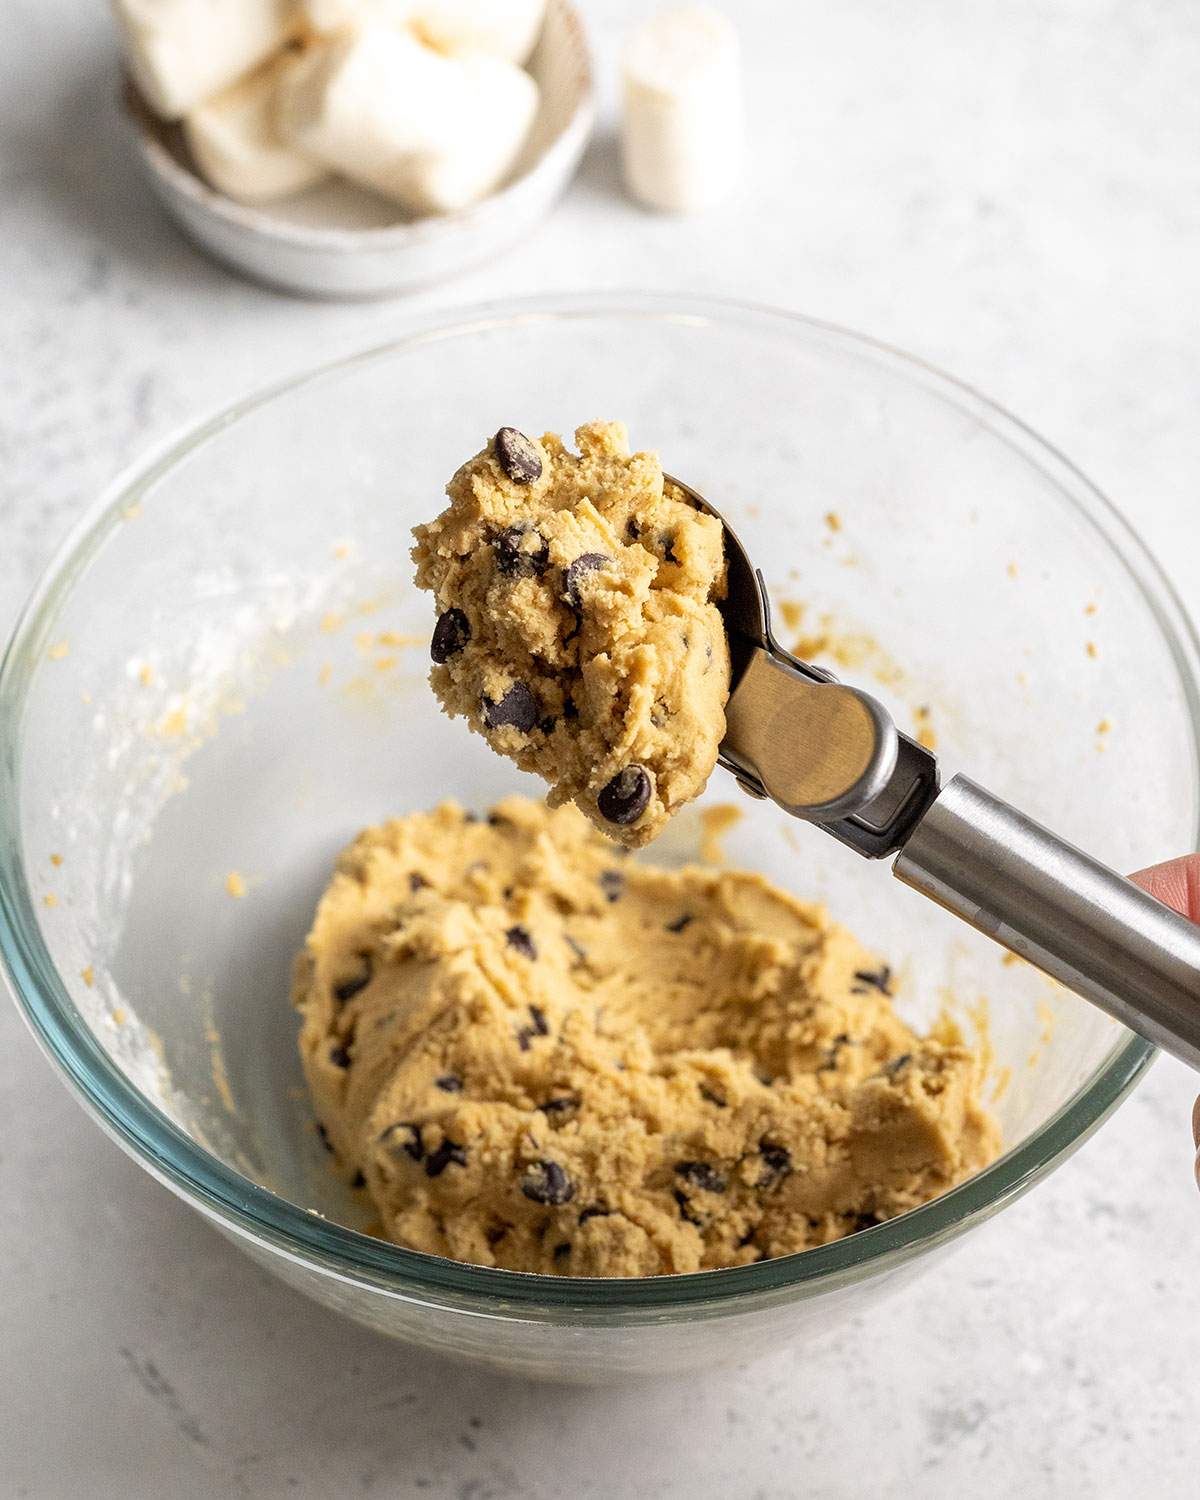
(546, 1057)
(578, 630)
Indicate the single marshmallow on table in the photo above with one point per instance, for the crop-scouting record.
(234, 141)
(181, 52)
(681, 137)
(503, 28)
(434, 133)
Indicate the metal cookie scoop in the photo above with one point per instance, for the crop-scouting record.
(830, 754)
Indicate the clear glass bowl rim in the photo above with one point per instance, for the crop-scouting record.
(254, 1212)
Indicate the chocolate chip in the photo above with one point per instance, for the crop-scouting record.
(517, 456)
(869, 979)
(612, 883)
(712, 1096)
(323, 1136)
(561, 1252)
(633, 529)
(547, 724)
(447, 1154)
(626, 796)
(498, 820)
(562, 1105)
(338, 1056)
(546, 1182)
(517, 561)
(518, 707)
(573, 577)
(358, 1180)
(518, 938)
(348, 988)
(540, 1027)
(569, 709)
(595, 1212)
(450, 635)
(667, 542)
(681, 922)
(404, 1136)
(897, 1064)
(685, 1209)
(701, 1174)
(830, 1060)
(417, 881)
(777, 1163)
(496, 1233)
(449, 1084)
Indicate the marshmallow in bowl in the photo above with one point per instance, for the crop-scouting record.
(504, 28)
(681, 134)
(181, 52)
(330, 16)
(433, 133)
(234, 141)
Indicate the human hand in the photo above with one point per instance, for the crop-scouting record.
(1177, 884)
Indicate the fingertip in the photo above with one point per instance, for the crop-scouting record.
(1176, 884)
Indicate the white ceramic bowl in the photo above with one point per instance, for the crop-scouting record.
(338, 240)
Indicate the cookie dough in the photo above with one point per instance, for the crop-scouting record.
(544, 1056)
(577, 627)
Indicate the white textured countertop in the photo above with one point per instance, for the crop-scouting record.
(1011, 191)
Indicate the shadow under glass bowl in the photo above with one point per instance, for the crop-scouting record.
(221, 678)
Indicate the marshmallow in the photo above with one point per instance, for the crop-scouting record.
(434, 133)
(504, 28)
(329, 16)
(234, 142)
(682, 130)
(181, 52)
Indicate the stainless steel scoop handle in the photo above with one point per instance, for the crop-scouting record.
(1047, 901)
(829, 753)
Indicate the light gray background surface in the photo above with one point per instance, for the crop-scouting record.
(1012, 191)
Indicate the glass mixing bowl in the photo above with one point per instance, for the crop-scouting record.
(221, 678)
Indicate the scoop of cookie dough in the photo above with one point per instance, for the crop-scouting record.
(546, 1057)
(577, 626)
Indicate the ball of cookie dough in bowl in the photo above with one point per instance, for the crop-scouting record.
(543, 1058)
(578, 627)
